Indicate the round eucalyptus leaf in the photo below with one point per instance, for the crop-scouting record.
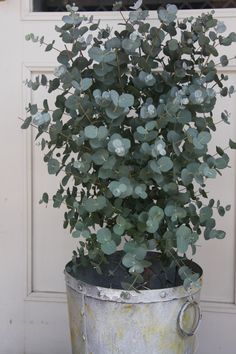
(76, 233)
(129, 260)
(141, 130)
(137, 268)
(68, 19)
(155, 216)
(93, 204)
(41, 118)
(169, 210)
(205, 214)
(152, 225)
(219, 234)
(129, 45)
(100, 156)
(186, 176)
(151, 125)
(165, 163)
(167, 15)
(126, 100)
(113, 43)
(140, 191)
(220, 28)
(103, 235)
(108, 247)
(86, 84)
(114, 113)
(104, 173)
(110, 163)
(184, 116)
(183, 235)
(155, 167)
(86, 234)
(224, 60)
(120, 220)
(207, 171)
(108, 56)
(204, 138)
(221, 211)
(76, 85)
(221, 163)
(119, 229)
(96, 53)
(102, 132)
(53, 166)
(173, 45)
(91, 131)
(72, 102)
(115, 97)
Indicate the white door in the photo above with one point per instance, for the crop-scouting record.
(34, 249)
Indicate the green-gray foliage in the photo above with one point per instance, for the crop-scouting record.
(129, 133)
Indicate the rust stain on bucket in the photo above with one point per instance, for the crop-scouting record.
(89, 311)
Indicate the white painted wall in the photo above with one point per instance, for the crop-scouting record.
(33, 247)
(11, 182)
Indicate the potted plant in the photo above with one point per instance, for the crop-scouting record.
(129, 134)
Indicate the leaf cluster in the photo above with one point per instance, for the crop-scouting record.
(129, 133)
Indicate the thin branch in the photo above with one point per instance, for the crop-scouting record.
(126, 20)
(119, 72)
(57, 50)
(32, 125)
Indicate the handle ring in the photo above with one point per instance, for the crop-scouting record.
(196, 322)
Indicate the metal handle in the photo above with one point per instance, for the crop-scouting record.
(196, 322)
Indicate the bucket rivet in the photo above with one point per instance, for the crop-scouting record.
(79, 287)
(83, 337)
(163, 294)
(125, 295)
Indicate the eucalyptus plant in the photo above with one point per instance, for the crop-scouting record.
(129, 135)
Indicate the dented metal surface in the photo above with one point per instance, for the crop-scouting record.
(107, 321)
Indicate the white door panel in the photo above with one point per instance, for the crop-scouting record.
(33, 246)
(222, 253)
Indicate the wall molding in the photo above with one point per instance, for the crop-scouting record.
(218, 307)
(206, 306)
(28, 69)
(28, 15)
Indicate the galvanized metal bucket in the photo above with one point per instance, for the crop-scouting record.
(107, 321)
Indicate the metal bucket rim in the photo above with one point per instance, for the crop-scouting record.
(130, 296)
